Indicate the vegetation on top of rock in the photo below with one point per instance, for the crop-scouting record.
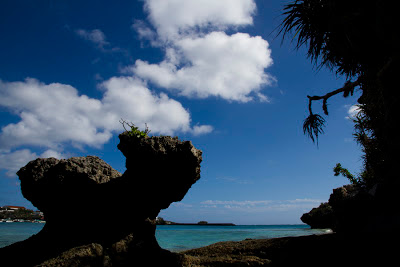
(134, 130)
(339, 170)
(340, 35)
(159, 171)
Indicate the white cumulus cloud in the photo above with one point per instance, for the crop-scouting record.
(129, 98)
(174, 17)
(230, 67)
(201, 60)
(52, 114)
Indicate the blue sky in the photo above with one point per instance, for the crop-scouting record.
(207, 71)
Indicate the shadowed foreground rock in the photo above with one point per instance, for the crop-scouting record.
(97, 217)
(316, 250)
(320, 217)
(353, 208)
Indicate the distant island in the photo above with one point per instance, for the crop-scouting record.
(161, 221)
(22, 214)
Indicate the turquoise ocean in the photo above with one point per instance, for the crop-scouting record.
(179, 237)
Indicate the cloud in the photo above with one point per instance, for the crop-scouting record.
(95, 36)
(201, 60)
(235, 202)
(98, 38)
(50, 114)
(217, 64)
(305, 200)
(235, 180)
(262, 205)
(130, 99)
(353, 111)
(181, 205)
(172, 18)
(13, 161)
(201, 129)
(53, 114)
(53, 154)
(145, 32)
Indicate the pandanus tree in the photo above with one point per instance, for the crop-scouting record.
(359, 40)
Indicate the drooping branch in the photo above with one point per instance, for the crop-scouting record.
(347, 89)
(314, 123)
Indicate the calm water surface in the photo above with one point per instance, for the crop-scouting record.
(182, 237)
(17, 231)
(179, 237)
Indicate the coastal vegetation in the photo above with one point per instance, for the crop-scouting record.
(339, 170)
(134, 131)
(354, 39)
(20, 214)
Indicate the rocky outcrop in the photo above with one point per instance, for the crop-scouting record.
(320, 217)
(353, 208)
(315, 250)
(99, 214)
(346, 210)
(351, 205)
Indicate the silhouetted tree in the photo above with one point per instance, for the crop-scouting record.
(357, 39)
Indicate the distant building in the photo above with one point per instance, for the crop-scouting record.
(14, 208)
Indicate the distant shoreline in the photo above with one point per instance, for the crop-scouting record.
(206, 224)
(161, 221)
(21, 221)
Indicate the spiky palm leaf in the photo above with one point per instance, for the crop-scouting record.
(335, 31)
(313, 126)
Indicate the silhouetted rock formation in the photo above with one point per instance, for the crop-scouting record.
(321, 217)
(353, 208)
(351, 205)
(95, 214)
